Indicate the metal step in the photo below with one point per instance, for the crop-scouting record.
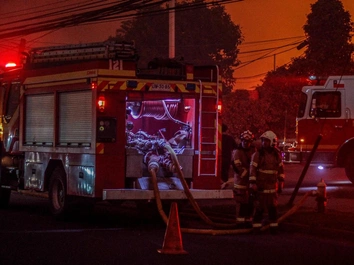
(137, 194)
(209, 159)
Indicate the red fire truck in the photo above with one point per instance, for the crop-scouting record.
(81, 121)
(325, 113)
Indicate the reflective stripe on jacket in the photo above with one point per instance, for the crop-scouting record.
(241, 164)
(266, 169)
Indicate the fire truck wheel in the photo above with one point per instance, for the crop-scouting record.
(4, 197)
(59, 202)
(349, 167)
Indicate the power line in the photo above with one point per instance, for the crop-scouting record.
(271, 40)
(252, 76)
(264, 73)
(54, 11)
(272, 48)
(123, 9)
(49, 18)
(266, 55)
(63, 21)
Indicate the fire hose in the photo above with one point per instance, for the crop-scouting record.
(153, 168)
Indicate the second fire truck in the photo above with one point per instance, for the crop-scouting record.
(81, 121)
(326, 115)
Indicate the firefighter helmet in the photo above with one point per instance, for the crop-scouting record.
(247, 136)
(271, 136)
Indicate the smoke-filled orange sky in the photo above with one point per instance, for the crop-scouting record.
(270, 24)
(271, 31)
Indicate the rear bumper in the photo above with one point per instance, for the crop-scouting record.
(138, 194)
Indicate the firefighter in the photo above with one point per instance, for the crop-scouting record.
(228, 145)
(266, 180)
(241, 163)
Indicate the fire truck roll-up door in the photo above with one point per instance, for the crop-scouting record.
(39, 124)
(75, 120)
(74, 132)
(39, 119)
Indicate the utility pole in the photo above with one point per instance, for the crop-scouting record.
(21, 49)
(171, 32)
(285, 120)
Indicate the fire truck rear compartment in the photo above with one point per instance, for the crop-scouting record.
(149, 126)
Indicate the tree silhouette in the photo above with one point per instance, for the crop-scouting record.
(328, 30)
(203, 36)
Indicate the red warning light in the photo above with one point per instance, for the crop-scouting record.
(10, 65)
(219, 107)
(93, 85)
(101, 103)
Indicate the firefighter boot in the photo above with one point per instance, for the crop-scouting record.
(256, 228)
(273, 228)
(248, 223)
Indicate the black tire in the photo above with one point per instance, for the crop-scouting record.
(5, 195)
(58, 198)
(349, 167)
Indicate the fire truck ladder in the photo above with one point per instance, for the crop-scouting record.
(208, 131)
(89, 51)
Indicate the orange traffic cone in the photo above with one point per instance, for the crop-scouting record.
(173, 239)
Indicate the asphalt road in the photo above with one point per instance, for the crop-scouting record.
(29, 235)
(122, 235)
